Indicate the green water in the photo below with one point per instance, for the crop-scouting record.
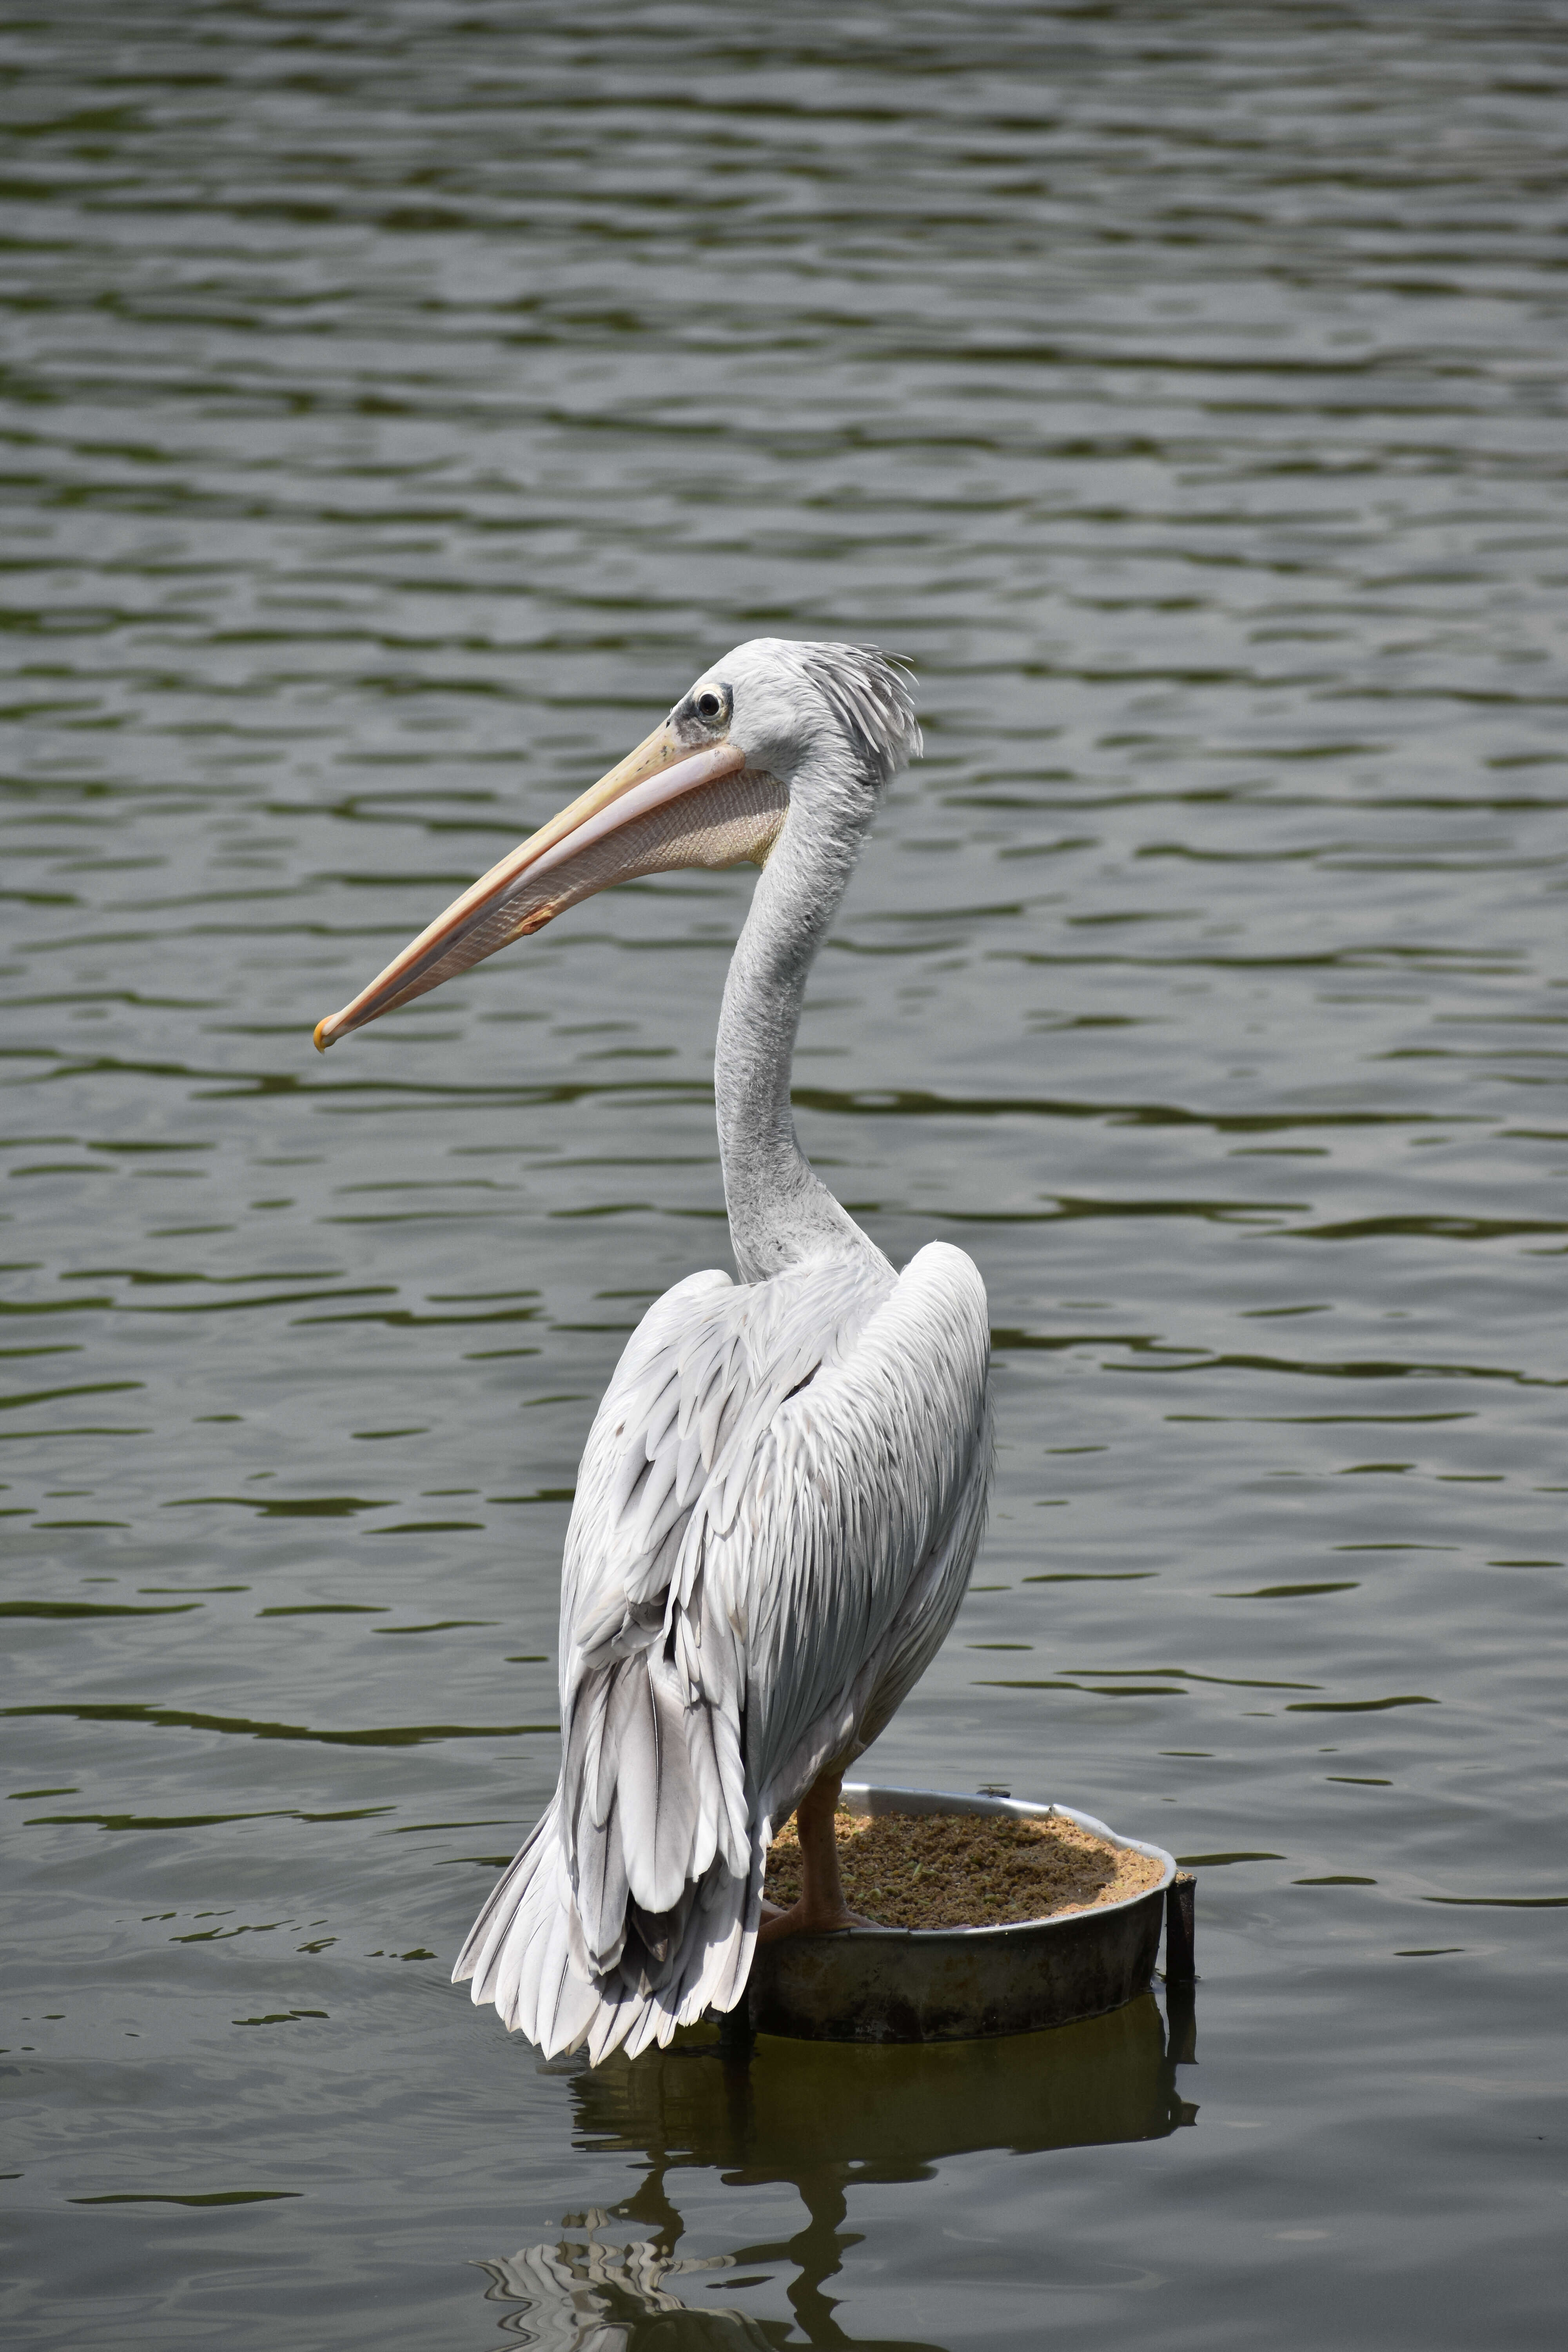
(401, 404)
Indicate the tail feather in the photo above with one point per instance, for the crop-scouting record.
(565, 2007)
(484, 1938)
(538, 1950)
(526, 1952)
(652, 1792)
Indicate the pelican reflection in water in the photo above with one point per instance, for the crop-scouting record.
(782, 1492)
(826, 2121)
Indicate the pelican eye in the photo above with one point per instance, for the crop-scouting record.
(713, 705)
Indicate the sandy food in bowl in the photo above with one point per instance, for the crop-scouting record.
(967, 1870)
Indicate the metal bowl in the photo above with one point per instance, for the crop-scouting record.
(955, 1984)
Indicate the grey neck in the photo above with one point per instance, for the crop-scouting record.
(780, 1212)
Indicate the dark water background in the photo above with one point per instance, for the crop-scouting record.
(401, 404)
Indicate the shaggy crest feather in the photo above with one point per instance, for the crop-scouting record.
(870, 695)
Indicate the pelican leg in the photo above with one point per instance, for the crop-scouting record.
(821, 1909)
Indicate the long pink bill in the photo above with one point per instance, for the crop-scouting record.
(662, 807)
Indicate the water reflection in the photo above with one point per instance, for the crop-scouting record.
(824, 2118)
(595, 2292)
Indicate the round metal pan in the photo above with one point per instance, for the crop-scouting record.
(955, 1984)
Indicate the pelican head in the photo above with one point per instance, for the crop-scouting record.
(775, 733)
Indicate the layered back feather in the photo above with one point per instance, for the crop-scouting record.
(779, 1504)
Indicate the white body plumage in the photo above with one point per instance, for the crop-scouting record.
(779, 1507)
(784, 1490)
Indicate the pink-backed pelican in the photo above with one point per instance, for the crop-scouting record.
(783, 1489)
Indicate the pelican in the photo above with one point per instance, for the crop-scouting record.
(782, 1492)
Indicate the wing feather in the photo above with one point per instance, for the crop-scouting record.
(776, 1513)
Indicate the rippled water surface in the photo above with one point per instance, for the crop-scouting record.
(401, 404)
